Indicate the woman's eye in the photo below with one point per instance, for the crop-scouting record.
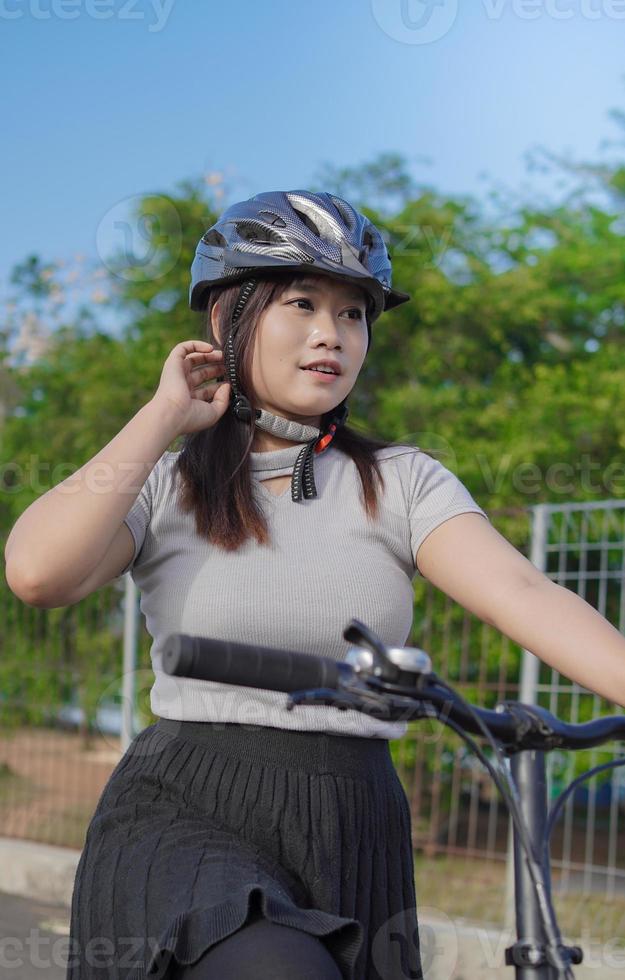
(354, 309)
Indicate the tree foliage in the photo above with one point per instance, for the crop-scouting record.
(507, 364)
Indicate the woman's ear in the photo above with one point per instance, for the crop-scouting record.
(215, 321)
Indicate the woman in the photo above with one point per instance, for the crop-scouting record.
(236, 839)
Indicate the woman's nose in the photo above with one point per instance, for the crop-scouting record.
(327, 328)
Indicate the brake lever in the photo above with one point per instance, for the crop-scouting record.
(388, 707)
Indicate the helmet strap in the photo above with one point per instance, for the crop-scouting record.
(238, 402)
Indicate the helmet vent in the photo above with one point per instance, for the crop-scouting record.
(213, 237)
(256, 231)
(307, 220)
(275, 219)
(317, 218)
(344, 212)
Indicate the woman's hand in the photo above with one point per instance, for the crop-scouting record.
(193, 408)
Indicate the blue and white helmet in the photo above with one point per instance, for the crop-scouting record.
(297, 231)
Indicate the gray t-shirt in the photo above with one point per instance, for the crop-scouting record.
(326, 563)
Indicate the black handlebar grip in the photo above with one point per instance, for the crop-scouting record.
(247, 665)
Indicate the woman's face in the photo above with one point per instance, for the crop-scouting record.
(318, 319)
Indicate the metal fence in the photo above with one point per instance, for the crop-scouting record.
(582, 547)
(61, 698)
(55, 763)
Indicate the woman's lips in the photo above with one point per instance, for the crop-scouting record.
(320, 375)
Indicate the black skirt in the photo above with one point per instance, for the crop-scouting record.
(201, 823)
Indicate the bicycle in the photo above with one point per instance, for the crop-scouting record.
(397, 683)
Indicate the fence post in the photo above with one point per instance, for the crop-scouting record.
(131, 636)
(528, 682)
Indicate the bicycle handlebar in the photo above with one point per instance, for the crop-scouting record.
(247, 665)
(391, 690)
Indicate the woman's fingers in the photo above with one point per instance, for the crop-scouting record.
(195, 345)
(204, 353)
(202, 373)
(205, 385)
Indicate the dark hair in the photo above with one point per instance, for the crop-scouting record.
(214, 463)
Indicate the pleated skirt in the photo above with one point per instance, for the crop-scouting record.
(202, 823)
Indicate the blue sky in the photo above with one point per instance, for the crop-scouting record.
(113, 98)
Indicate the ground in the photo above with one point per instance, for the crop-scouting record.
(33, 939)
(50, 785)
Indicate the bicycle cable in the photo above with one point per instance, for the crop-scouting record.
(511, 797)
(555, 810)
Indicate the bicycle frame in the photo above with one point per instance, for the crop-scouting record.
(527, 954)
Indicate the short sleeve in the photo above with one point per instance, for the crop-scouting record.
(436, 494)
(140, 514)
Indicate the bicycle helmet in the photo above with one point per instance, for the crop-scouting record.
(298, 231)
